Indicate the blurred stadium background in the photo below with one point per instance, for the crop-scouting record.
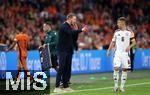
(100, 16)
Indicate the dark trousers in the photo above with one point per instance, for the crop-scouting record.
(54, 62)
(132, 59)
(64, 72)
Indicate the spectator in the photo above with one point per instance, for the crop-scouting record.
(99, 15)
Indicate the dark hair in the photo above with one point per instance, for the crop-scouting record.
(122, 19)
(19, 28)
(48, 23)
(70, 15)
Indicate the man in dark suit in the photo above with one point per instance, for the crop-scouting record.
(66, 43)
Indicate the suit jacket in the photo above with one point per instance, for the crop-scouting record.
(67, 38)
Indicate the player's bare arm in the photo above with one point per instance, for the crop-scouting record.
(13, 44)
(42, 46)
(110, 47)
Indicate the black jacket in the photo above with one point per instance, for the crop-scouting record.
(67, 38)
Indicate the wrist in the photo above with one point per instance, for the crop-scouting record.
(82, 30)
(130, 46)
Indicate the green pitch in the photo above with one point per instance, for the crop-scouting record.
(138, 83)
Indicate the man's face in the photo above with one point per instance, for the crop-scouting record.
(73, 19)
(120, 23)
(46, 27)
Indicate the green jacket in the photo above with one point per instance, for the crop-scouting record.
(52, 39)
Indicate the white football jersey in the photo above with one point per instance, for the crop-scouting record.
(122, 40)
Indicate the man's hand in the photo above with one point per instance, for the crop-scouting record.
(85, 29)
(128, 49)
(74, 26)
(44, 45)
(108, 53)
(41, 47)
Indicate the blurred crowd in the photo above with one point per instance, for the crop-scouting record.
(99, 15)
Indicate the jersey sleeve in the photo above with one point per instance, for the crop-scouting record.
(28, 39)
(16, 38)
(114, 38)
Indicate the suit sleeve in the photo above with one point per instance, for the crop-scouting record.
(67, 30)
